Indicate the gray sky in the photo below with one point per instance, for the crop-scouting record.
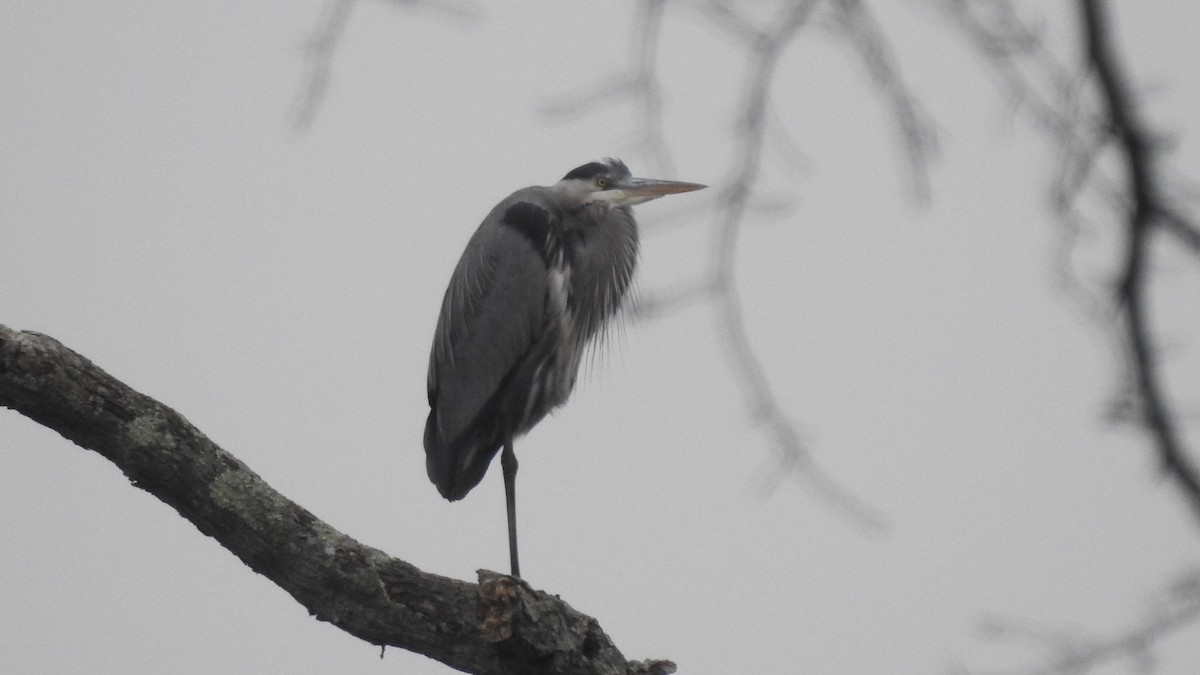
(162, 217)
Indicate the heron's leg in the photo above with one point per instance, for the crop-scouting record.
(508, 462)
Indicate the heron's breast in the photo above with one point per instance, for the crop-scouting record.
(556, 356)
(562, 312)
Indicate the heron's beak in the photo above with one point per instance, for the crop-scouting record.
(640, 190)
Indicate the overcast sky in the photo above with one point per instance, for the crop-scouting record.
(161, 216)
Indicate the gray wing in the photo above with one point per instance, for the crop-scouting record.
(491, 316)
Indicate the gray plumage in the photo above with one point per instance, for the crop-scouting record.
(541, 277)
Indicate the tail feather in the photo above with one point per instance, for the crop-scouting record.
(457, 466)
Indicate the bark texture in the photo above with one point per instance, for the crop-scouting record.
(499, 626)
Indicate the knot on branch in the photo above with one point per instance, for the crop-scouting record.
(533, 627)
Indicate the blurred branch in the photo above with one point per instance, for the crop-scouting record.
(651, 99)
(792, 456)
(500, 626)
(1090, 115)
(319, 54)
(736, 199)
(1183, 228)
(638, 82)
(1038, 84)
(857, 23)
(664, 301)
(1069, 651)
(1147, 208)
(325, 38)
(763, 41)
(1051, 96)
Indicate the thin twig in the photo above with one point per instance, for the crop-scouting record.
(1181, 227)
(319, 55)
(1049, 92)
(326, 37)
(1069, 651)
(653, 136)
(657, 305)
(638, 82)
(863, 33)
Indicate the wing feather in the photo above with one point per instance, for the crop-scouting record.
(492, 315)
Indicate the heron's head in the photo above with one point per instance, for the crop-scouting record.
(610, 181)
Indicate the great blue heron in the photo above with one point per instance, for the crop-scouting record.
(542, 275)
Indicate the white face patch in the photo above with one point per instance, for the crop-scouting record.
(616, 197)
(621, 197)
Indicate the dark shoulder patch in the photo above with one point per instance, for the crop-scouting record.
(535, 223)
(545, 234)
(588, 171)
(530, 220)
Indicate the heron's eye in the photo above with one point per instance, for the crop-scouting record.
(602, 182)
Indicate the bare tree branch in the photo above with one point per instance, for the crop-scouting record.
(325, 38)
(1089, 115)
(1077, 653)
(500, 626)
(650, 23)
(669, 300)
(638, 82)
(319, 54)
(857, 23)
(1038, 84)
(793, 458)
(1183, 228)
(1146, 209)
